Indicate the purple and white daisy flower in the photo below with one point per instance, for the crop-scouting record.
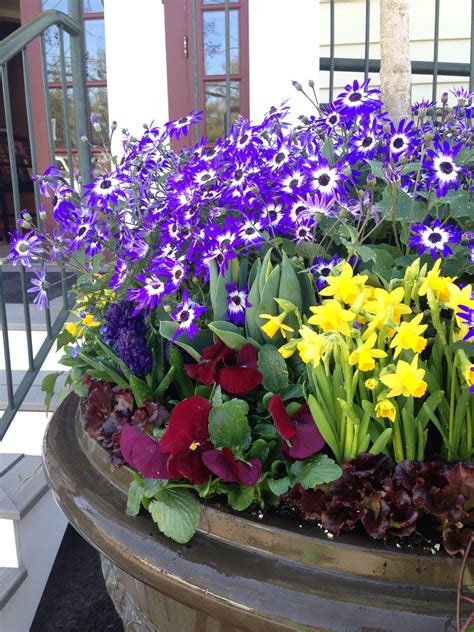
(24, 249)
(330, 119)
(303, 230)
(107, 187)
(180, 126)
(402, 138)
(186, 314)
(434, 238)
(238, 303)
(149, 295)
(119, 275)
(358, 99)
(326, 179)
(422, 106)
(444, 170)
(466, 314)
(462, 94)
(322, 268)
(40, 287)
(250, 231)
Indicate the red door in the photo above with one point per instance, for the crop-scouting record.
(196, 61)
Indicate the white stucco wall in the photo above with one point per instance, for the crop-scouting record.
(136, 64)
(283, 45)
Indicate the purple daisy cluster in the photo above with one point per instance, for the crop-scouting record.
(171, 218)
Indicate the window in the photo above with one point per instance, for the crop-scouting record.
(96, 73)
(201, 83)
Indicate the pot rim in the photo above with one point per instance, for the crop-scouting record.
(235, 563)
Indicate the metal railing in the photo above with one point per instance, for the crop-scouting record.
(435, 68)
(15, 44)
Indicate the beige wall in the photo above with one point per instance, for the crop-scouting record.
(454, 45)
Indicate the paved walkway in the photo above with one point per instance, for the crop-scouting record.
(75, 598)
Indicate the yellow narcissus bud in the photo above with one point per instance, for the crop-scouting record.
(89, 321)
(371, 383)
(385, 408)
(289, 348)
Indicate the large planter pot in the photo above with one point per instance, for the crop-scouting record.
(239, 573)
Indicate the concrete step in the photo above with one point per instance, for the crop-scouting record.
(10, 580)
(34, 401)
(22, 483)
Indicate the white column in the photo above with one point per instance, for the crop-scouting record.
(137, 84)
(284, 46)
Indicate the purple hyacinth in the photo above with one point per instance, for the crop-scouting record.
(237, 303)
(434, 238)
(126, 332)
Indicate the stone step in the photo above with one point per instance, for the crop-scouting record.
(22, 484)
(10, 580)
(34, 400)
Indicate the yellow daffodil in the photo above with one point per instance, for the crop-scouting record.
(385, 408)
(289, 348)
(469, 375)
(312, 346)
(275, 324)
(345, 287)
(332, 317)
(437, 283)
(371, 384)
(365, 354)
(72, 328)
(386, 307)
(409, 336)
(460, 296)
(407, 380)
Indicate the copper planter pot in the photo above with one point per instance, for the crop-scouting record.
(239, 573)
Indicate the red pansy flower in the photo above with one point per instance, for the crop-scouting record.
(299, 430)
(143, 453)
(215, 367)
(205, 370)
(186, 438)
(223, 464)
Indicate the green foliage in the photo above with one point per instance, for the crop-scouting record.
(273, 368)
(228, 425)
(176, 513)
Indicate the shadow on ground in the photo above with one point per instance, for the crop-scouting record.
(75, 598)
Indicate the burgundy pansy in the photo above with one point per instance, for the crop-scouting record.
(244, 375)
(223, 464)
(205, 371)
(186, 438)
(217, 367)
(300, 433)
(143, 453)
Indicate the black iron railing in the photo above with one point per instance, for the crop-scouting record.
(15, 44)
(434, 68)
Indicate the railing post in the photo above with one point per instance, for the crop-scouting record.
(81, 109)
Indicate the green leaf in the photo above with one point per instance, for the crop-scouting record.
(101, 366)
(140, 389)
(314, 471)
(381, 442)
(377, 169)
(460, 203)
(192, 346)
(135, 496)
(279, 486)
(48, 385)
(267, 431)
(177, 513)
(260, 448)
(114, 357)
(152, 486)
(63, 339)
(240, 497)
(273, 368)
(324, 427)
(290, 288)
(410, 167)
(230, 334)
(228, 425)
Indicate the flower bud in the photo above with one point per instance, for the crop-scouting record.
(311, 83)
(26, 216)
(83, 138)
(371, 181)
(297, 85)
(113, 125)
(428, 137)
(42, 215)
(386, 128)
(24, 224)
(444, 98)
(347, 171)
